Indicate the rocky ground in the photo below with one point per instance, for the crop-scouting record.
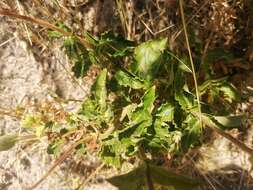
(25, 80)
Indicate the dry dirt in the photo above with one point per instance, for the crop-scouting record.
(25, 80)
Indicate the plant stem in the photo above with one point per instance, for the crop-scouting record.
(149, 179)
(43, 23)
(190, 57)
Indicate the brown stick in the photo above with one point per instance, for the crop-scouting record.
(92, 175)
(57, 162)
(69, 150)
(43, 23)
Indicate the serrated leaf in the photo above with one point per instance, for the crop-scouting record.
(148, 57)
(223, 122)
(7, 142)
(216, 87)
(230, 92)
(125, 79)
(192, 132)
(230, 121)
(140, 119)
(113, 147)
(126, 111)
(89, 110)
(140, 116)
(167, 178)
(133, 180)
(80, 57)
(163, 122)
(185, 99)
(210, 84)
(99, 88)
(109, 155)
(114, 45)
(165, 112)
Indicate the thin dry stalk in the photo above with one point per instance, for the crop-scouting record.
(92, 175)
(190, 56)
(68, 152)
(43, 23)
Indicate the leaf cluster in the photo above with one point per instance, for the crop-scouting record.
(141, 105)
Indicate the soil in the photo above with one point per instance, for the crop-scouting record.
(24, 80)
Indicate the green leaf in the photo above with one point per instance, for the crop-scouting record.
(148, 57)
(179, 81)
(111, 150)
(185, 99)
(211, 83)
(127, 110)
(7, 142)
(114, 45)
(125, 79)
(137, 179)
(230, 121)
(140, 118)
(93, 113)
(167, 178)
(32, 121)
(71, 48)
(54, 34)
(55, 147)
(99, 88)
(192, 132)
(89, 110)
(223, 122)
(79, 56)
(148, 99)
(182, 63)
(165, 112)
(95, 109)
(80, 67)
(163, 122)
(109, 156)
(133, 180)
(230, 92)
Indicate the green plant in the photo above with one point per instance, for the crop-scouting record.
(142, 106)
